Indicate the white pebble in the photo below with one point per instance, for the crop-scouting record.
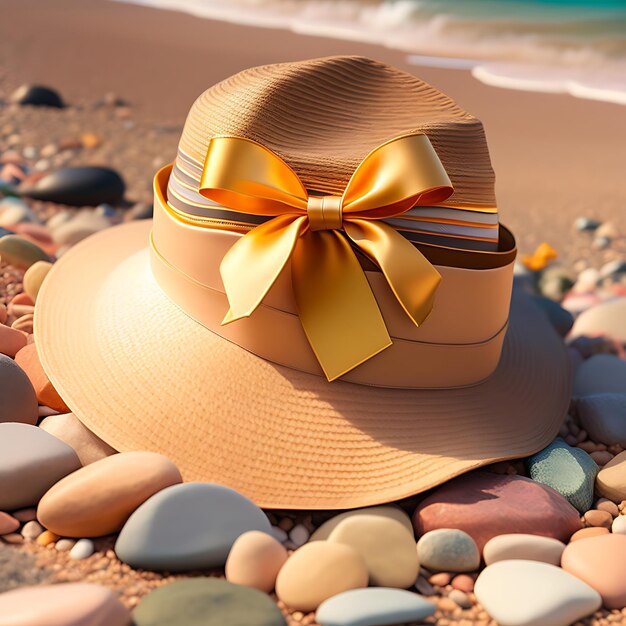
(279, 534)
(299, 535)
(619, 525)
(83, 549)
(32, 530)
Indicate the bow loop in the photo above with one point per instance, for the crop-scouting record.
(337, 308)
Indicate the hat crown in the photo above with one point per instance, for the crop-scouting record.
(323, 116)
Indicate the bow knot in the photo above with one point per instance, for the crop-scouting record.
(324, 212)
(316, 236)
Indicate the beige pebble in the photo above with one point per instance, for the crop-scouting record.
(440, 579)
(619, 525)
(447, 605)
(317, 571)
(255, 560)
(34, 277)
(585, 533)
(11, 340)
(596, 518)
(24, 323)
(65, 545)
(13, 538)
(606, 505)
(611, 479)
(32, 530)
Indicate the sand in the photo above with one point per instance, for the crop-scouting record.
(556, 157)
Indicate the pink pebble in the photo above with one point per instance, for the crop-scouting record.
(11, 340)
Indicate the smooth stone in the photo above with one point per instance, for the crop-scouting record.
(586, 224)
(373, 607)
(19, 252)
(37, 95)
(99, 498)
(299, 535)
(317, 571)
(603, 416)
(32, 530)
(386, 545)
(611, 479)
(485, 505)
(598, 519)
(255, 560)
(601, 373)
(591, 531)
(28, 359)
(448, 550)
(65, 545)
(560, 319)
(34, 277)
(187, 526)
(530, 593)
(388, 512)
(82, 549)
(525, 547)
(78, 186)
(206, 602)
(601, 563)
(619, 525)
(11, 340)
(79, 228)
(47, 537)
(67, 427)
(569, 471)
(31, 461)
(8, 524)
(14, 211)
(461, 598)
(607, 318)
(63, 604)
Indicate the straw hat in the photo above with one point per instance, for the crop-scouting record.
(266, 332)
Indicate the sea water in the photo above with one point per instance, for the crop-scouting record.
(559, 46)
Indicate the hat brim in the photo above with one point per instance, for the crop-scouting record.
(141, 374)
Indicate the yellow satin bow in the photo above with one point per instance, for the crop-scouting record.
(336, 306)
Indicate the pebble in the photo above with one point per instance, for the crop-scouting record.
(8, 523)
(373, 607)
(34, 277)
(78, 186)
(31, 461)
(317, 571)
(448, 549)
(555, 282)
(13, 538)
(19, 252)
(607, 318)
(586, 224)
(11, 340)
(32, 530)
(388, 512)
(601, 457)
(601, 563)
(186, 527)
(279, 534)
(569, 471)
(37, 95)
(28, 359)
(601, 373)
(64, 545)
(619, 525)
(613, 269)
(88, 446)
(386, 545)
(485, 505)
(585, 533)
(606, 505)
(24, 324)
(25, 515)
(47, 537)
(206, 602)
(603, 416)
(299, 535)
(611, 479)
(598, 519)
(79, 228)
(424, 587)
(255, 560)
(97, 499)
(14, 211)
(560, 319)
(530, 593)
(82, 549)
(523, 546)
(63, 604)
(461, 598)
(463, 582)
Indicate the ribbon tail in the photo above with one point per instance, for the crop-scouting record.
(337, 308)
(252, 265)
(410, 275)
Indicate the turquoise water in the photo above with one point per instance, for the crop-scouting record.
(574, 46)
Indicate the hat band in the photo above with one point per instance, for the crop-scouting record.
(185, 262)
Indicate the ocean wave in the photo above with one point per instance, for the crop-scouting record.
(574, 46)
